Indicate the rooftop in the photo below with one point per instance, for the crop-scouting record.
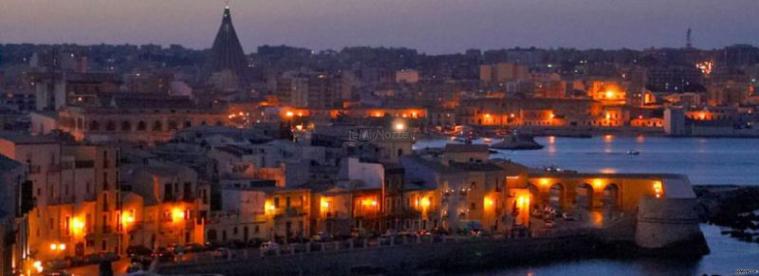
(25, 138)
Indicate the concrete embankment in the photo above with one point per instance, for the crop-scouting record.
(450, 256)
(400, 259)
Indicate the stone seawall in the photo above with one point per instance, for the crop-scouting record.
(666, 222)
(448, 256)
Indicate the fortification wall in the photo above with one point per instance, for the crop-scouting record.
(666, 222)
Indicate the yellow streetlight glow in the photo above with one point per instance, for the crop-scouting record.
(269, 208)
(127, 219)
(53, 246)
(658, 189)
(425, 202)
(77, 226)
(489, 202)
(324, 202)
(598, 184)
(399, 126)
(370, 202)
(177, 214)
(544, 181)
(38, 266)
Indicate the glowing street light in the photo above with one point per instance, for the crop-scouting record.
(399, 126)
(324, 204)
(37, 265)
(658, 189)
(425, 202)
(57, 247)
(489, 202)
(127, 218)
(77, 226)
(269, 208)
(177, 214)
(598, 184)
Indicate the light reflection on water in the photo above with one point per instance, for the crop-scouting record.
(726, 257)
(705, 161)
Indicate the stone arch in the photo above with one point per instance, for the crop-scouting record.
(157, 126)
(94, 126)
(126, 126)
(584, 196)
(142, 126)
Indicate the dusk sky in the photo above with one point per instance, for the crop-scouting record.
(432, 26)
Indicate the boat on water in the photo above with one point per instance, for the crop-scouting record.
(517, 141)
(633, 152)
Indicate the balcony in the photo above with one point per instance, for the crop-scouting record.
(291, 212)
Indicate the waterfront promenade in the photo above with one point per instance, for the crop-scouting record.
(401, 252)
(387, 254)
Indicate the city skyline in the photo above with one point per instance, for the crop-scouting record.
(334, 24)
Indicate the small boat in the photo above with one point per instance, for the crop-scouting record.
(633, 152)
(518, 142)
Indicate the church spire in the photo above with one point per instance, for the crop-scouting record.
(227, 52)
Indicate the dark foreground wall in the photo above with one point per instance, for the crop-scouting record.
(448, 256)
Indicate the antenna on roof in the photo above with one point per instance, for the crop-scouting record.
(688, 41)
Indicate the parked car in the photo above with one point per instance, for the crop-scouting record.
(223, 253)
(135, 267)
(138, 250)
(321, 236)
(256, 242)
(100, 257)
(269, 246)
(163, 255)
(236, 244)
(194, 247)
